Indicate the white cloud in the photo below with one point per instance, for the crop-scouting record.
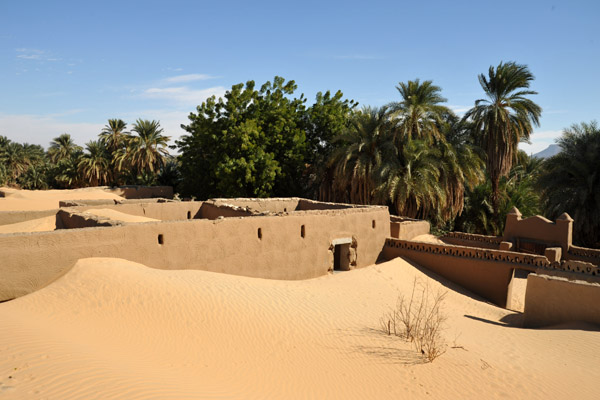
(540, 140)
(41, 129)
(188, 78)
(460, 110)
(183, 94)
(35, 54)
(545, 135)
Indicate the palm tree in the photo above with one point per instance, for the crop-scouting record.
(411, 181)
(146, 151)
(364, 147)
(515, 190)
(570, 181)
(419, 113)
(62, 147)
(34, 178)
(16, 160)
(114, 135)
(505, 118)
(67, 174)
(94, 164)
(115, 138)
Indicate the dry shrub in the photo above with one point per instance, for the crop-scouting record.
(419, 320)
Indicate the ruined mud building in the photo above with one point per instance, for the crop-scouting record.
(294, 238)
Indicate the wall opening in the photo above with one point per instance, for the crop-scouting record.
(189, 215)
(161, 239)
(284, 209)
(373, 224)
(341, 257)
(302, 231)
(260, 233)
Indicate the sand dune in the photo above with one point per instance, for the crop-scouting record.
(26, 200)
(428, 238)
(32, 225)
(117, 215)
(115, 329)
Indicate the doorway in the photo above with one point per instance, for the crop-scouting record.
(341, 254)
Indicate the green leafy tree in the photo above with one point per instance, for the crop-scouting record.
(249, 143)
(329, 117)
(505, 118)
(570, 181)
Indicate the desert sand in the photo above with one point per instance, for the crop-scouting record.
(114, 329)
(428, 238)
(111, 328)
(117, 215)
(32, 225)
(27, 200)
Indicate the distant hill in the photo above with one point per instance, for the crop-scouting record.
(550, 151)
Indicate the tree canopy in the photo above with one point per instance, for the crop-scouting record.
(258, 143)
(503, 119)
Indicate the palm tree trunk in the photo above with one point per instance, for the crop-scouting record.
(495, 195)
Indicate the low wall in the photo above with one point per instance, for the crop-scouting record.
(408, 229)
(554, 300)
(141, 192)
(484, 272)
(472, 240)
(90, 202)
(583, 254)
(284, 204)
(168, 211)
(295, 246)
(305, 205)
(71, 219)
(273, 205)
(213, 210)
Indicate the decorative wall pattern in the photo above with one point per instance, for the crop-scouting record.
(522, 261)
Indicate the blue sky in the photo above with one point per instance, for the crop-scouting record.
(68, 66)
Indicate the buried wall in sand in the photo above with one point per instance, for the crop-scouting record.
(291, 245)
(552, 300)
(488, 265)
(486, 272)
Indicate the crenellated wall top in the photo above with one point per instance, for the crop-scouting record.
(529, 262)
(540, 229)
(474, 237)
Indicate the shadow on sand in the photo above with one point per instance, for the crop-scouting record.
(516, 321)
(395, 350)
(510, 320)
